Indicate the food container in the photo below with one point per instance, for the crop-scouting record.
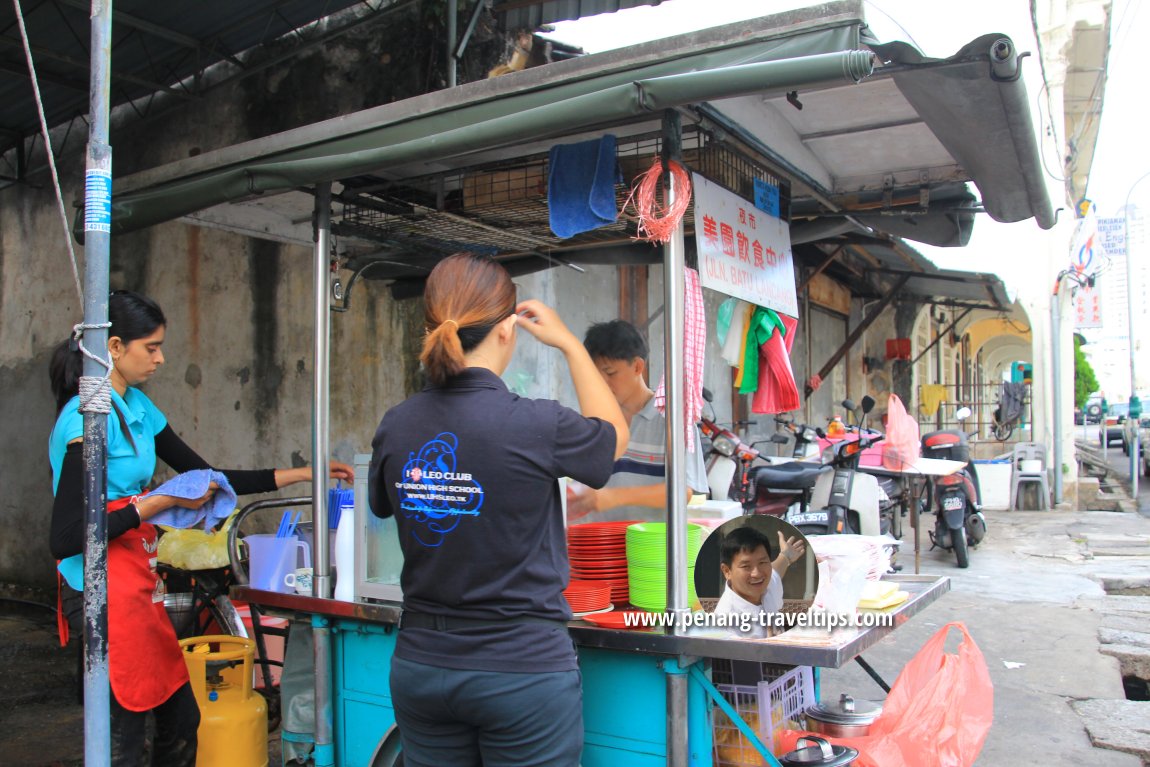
(821, 754)
(847, 718)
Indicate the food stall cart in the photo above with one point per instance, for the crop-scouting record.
(648, 699)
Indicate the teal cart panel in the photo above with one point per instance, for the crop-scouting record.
(625, 711)
(363, 710)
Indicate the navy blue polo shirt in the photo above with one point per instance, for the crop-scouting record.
(468, 470)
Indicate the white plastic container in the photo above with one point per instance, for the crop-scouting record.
(345, 556)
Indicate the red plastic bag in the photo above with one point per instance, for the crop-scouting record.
(938, 712)
(900, 448)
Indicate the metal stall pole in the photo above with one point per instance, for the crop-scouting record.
(673, 288)
(452, 34)
(1135, 446)
(1056, 390)
(94, 386)
(324, 749)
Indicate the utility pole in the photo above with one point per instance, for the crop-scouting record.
(1135, 408)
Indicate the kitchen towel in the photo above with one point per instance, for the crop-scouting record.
(581, 186)
(930, 397)
(193, 484)
(694, 355)
(777, 391)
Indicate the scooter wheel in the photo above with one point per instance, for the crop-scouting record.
(958, 541)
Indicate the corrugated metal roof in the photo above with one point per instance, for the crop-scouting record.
(155, 47)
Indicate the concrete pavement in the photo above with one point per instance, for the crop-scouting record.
(1034, 602)
(1033, 599)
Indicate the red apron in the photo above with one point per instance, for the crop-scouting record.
(145, 662)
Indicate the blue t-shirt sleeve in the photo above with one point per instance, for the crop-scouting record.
(584, 447)
(70, 424)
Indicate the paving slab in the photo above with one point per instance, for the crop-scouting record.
(1121, 725)
(1133, 660)
(1139, 638)
(1127, 584)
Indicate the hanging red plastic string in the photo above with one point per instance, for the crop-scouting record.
(657, 222)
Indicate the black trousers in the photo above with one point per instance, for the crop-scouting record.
(177, 719)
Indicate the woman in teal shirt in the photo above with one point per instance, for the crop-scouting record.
(146, 667)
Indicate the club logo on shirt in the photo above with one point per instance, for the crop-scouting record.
(434, 494)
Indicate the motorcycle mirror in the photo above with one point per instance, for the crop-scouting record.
(784, 418)
(849, 405)
(707, 394)
(963, 413)
(779, 439)
(819, 431)
(867, 404)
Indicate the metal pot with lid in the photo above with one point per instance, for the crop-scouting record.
(821, 754)
(847, 718)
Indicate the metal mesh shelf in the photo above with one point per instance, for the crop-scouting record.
(501, 208)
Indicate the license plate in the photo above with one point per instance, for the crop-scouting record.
(953, 503)
(809, 518)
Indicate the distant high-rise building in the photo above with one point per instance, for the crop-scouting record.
(1108, 347)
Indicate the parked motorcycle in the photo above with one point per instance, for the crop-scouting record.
(852, 502)
(788, 484)
(730, 461)
(956, 499)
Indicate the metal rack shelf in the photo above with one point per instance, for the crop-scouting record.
(501, 208)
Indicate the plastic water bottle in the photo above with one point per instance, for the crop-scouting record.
(345, 557)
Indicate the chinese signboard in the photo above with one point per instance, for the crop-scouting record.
(743, 251)
(1087, 308)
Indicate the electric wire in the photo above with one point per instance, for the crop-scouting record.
(48, 148)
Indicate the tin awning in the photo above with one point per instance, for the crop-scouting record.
(896, 149)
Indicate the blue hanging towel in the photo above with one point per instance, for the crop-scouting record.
(581, 186)
(193, 484)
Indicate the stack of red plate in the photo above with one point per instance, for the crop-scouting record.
(598, 553)
(588, 596)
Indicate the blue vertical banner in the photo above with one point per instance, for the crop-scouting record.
(98, 200)
(767, 197)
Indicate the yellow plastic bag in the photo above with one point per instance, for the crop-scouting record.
(194, 548)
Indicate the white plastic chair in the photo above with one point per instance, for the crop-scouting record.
(1028, 464)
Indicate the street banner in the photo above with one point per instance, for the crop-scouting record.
(1112, 236)
(743, 251)
(1087, 308)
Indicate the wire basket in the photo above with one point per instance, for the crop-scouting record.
(768, 708)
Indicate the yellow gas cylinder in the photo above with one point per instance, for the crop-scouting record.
(233, 717)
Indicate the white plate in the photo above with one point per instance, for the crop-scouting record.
(606, 609)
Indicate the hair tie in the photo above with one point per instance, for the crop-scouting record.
(453, 322)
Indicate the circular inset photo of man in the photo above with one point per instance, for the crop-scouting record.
(755, 563)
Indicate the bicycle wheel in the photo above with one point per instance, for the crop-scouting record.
(1002, 431)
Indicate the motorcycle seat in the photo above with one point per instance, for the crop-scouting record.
(789, 476)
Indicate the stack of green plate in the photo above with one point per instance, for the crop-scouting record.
(647, 564)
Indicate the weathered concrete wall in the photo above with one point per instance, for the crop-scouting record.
(237, 382)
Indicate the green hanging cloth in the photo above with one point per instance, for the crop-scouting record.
(764, 322)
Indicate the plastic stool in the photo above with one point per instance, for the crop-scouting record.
(1023, 470)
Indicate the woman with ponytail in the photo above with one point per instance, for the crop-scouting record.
(484, 671)
(145, 664)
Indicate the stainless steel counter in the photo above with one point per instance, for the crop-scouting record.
(923, 589)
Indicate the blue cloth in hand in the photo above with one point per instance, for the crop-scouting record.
(581, 186)
(193, 484)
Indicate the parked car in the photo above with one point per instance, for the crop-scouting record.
(1145, 436)
(1128, 427)
(1112, 426)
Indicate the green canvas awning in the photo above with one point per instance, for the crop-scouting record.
(916, 129)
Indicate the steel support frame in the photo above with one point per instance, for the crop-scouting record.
(861, 328)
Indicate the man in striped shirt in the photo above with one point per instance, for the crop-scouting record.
(637, 489)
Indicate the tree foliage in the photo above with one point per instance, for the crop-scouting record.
(1085, 383)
